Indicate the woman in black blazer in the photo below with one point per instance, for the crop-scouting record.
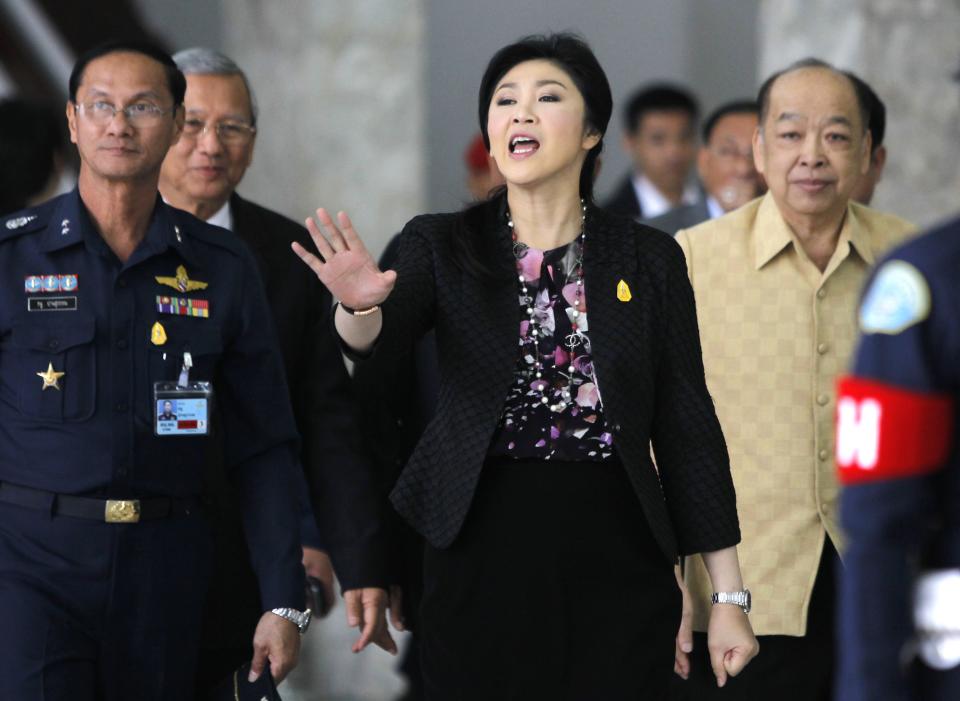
(552, 536)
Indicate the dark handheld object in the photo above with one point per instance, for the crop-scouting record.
(235, 687)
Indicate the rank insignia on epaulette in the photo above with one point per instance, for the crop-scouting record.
(20, 221)
(183, 306)
(181, 281)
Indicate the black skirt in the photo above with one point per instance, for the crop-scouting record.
(554, 589)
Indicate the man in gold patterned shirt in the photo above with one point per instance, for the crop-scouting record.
(777, 284)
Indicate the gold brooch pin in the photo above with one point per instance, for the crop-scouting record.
(51, 378)
(623, 291)
(182, 281)
(158, 334)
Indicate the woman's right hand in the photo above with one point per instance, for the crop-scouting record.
(346, 268)
(730, 641)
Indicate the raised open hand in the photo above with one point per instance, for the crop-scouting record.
(347, 269)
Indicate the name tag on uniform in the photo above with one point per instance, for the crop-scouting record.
(182, 410)
(51, 304)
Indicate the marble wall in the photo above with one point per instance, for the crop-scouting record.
(340, 88)
(908, 51)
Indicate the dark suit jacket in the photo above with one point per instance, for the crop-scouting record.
(646, 354)
(397, 394)
(624, 200)
(682, 217)
(341, 477)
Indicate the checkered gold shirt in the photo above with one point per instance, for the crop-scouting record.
(776, 332)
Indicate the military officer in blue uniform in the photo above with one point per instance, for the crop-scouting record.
(897, 454)
(112, 303)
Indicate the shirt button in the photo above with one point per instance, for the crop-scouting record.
(821, 293)
(122, 344)
(823, 399)
(823, 348)
(823, 454)
(53, 344)
(121, 407)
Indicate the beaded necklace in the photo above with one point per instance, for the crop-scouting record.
(575, 339)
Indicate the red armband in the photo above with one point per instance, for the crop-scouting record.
(885, 432)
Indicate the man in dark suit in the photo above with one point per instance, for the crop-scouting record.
(200, 175)
(659, 125)
(725, 165)
(863, 192)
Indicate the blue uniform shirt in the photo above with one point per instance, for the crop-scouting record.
(902, 512)
(68, 303)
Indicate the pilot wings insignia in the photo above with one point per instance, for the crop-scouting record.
(182, 281)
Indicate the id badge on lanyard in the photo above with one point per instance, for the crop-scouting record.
(182, 408)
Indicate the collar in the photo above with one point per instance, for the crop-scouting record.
(713, 208)
(223, 217)
(71, 224)
(772, 233)
(608, 241)
(653, 203)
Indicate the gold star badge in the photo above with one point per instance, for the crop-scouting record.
(182, 281)
(51, 378)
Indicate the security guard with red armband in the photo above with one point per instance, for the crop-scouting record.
(898, 460)
(127, 329)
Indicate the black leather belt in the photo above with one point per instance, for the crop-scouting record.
(105, 510)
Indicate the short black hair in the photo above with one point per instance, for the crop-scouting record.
(658, 97)
(878, 111)
(863, 100)
(176, 83)
(574, 56)
(734, 107)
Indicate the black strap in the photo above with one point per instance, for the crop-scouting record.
(88, 507)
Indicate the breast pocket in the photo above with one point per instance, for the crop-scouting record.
(56, 377)
(201, 339)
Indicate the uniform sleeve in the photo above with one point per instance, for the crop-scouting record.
(261, 446)
(895, 421)
(688, 443)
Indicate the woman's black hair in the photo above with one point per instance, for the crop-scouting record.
(474, 249)
(571, 54)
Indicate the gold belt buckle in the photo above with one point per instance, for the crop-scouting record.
(122, 511)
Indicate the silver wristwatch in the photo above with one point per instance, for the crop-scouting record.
(301, 619)
(737, 598)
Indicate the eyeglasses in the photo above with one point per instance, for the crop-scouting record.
(232, 133)
(729, 153)
(139, 114)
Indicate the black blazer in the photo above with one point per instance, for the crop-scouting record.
(624, 200)
(646, 354)
(341, 478)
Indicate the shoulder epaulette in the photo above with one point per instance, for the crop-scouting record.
(23, 222)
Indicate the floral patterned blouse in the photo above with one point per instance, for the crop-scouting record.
(529, 427)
